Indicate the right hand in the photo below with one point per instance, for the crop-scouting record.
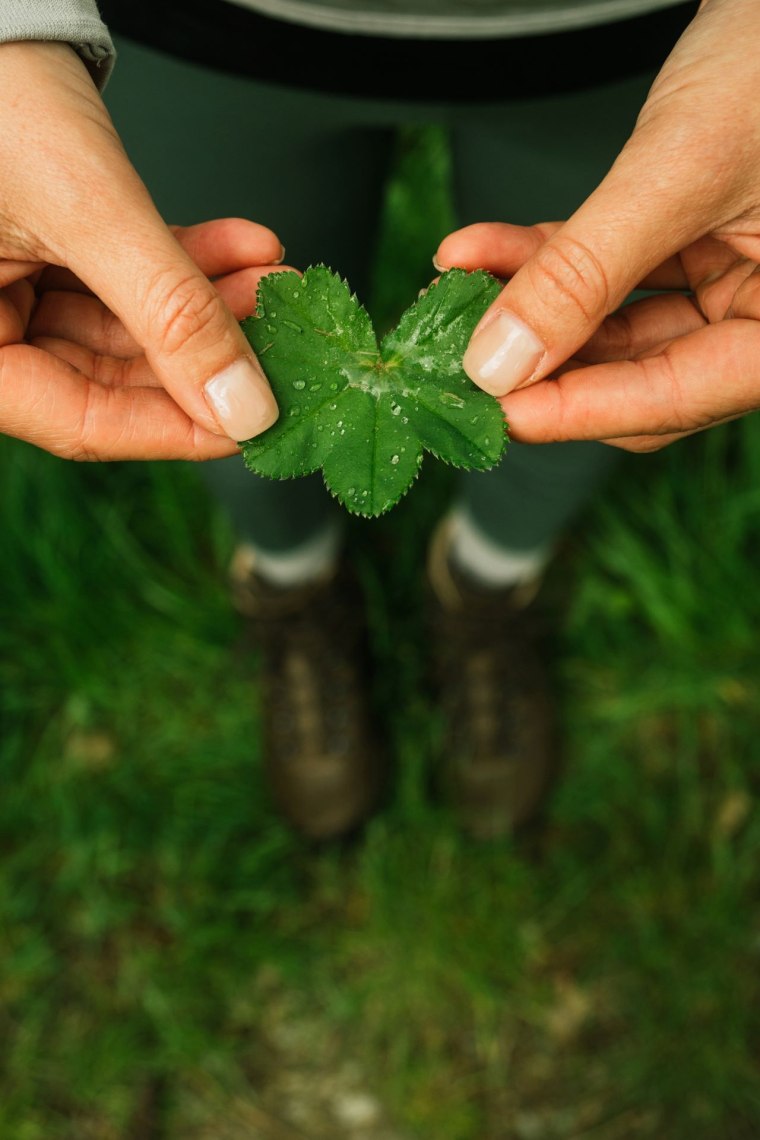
(76, 220)
(678, 210)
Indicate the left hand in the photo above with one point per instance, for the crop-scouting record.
(79, 362)
(680, 209)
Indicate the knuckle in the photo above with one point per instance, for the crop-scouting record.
(746, 300)
(110, 325)
(81, 445)
(188, 309)
(677, 413)
(111, 371)
(77, 452)
(571, 276)
(614, 340)
(101, 426)
(74, 445)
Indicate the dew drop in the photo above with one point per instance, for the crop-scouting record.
(394, 459)
(395, 409)
(314, 387)
(474, 419)
(451, 400)
(294, 411)
(270, 328)
(299, 385)
(333, 407)
(351, 492)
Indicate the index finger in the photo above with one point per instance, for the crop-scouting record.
(224, 245)
(49, 403)
(709, 375)
(502, 249)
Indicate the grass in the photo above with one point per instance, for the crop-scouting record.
(162, 932)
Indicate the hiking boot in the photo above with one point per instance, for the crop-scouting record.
(499, 752)
(322, 756)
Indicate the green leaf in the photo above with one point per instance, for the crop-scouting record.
(365, 414)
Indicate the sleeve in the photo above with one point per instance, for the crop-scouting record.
(76, 22)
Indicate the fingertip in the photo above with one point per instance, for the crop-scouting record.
(503, 353)
(225, 244)
(241, 400)
(447, 254)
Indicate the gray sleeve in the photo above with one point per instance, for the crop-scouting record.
(76, 22)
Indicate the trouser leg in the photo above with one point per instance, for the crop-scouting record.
(523, 162)
(212, 145)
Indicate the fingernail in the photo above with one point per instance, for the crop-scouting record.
(438, 266)
(502, 354)
(241, 400)
(279, 260)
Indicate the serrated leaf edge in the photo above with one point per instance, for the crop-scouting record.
(260, 313)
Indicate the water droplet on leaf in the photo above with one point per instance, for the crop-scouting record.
(394, 459)
(451, 400)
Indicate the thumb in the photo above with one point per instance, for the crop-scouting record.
(192, 341)
(560, 296)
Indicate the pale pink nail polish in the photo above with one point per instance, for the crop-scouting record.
(502, 354)
(241, 400)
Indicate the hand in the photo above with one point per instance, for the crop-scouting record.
(114, 344)
(680, 209)
(81, 387)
